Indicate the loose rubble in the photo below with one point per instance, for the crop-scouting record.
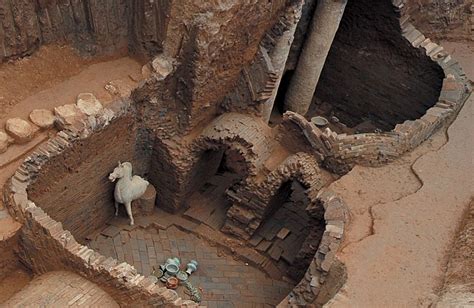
(67, 115)
(42, 118)
(20, 130)
(88, 104)
(162, 66)
(4, 141)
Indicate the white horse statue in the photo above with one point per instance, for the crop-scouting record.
(128, 188)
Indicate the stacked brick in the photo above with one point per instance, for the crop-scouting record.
(256, 84)
(46, 246)
(336, 217)
(339, 152)
(180, 160)
(176, 166)
(246, 135)
(251, 201)
(84, 165)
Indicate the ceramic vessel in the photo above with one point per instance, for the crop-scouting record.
(191, 267)
(319, 121)
(172, 283)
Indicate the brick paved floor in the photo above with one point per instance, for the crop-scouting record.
(225, 282)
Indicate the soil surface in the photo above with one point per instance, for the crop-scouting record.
(49, 66)
(54, 76)
(404, 216)
(41, 81)
(13, 283)
(458, 287)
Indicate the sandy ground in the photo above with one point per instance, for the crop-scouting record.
(49, 66)
(40, 81)
(92, 78)
(404, 216)
(459, 278)
(35, 82)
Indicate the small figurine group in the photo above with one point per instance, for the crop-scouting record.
(171, 268)
(171, 274)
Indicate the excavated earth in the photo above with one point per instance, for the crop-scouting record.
(405, 216)
(40, 81)
(407, 240)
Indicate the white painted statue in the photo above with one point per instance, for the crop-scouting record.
(128, 188)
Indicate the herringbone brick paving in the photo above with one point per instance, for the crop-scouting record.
(225, 282)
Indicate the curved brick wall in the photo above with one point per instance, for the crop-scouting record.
(372, 73)
(45, 245)
(336, 217)
(340, 151)
(252, 200)
(73, 186)
(176, 162)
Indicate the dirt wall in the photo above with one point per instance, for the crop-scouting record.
(74, 188)
(91, 26)
(373, 73)
(443, 19)
(8, 259)
(211, 43)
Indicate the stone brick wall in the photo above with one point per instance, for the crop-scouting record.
(252, 200)
(162, 116)
(340, 151)
(175, 162)
(74, 188)
(336, 217)
(373, 73)
(255, 85)
(211, 53)
(44, 244)
(443, 19)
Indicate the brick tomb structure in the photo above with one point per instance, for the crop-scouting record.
(247, 200)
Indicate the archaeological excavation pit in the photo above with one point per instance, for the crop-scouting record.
(263, 267)
(197, 97)
(373, 78)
